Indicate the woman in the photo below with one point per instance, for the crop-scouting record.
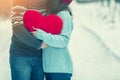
(57, 63)
(25, 49)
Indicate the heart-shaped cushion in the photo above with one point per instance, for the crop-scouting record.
(50, 23)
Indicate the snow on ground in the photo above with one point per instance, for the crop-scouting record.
(92, 59)
(5, 35)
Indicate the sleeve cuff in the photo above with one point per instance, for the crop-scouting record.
(40, 34)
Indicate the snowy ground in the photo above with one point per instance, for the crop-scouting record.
(91, 51)
(5, 34)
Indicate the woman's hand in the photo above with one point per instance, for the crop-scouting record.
(16, 15)
(34, 33)
(44, 45)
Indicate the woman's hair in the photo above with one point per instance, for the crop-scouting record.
(54, 6)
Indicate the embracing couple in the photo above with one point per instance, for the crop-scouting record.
(36, 55)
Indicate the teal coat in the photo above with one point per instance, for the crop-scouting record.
(56, 57)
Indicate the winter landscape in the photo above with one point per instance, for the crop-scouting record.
(94, 44)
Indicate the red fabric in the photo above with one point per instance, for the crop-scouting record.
(50, 23)
(67, 1)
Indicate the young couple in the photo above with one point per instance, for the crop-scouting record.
(39, 54)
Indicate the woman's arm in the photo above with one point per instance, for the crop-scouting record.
(26, 37)
(61, 40)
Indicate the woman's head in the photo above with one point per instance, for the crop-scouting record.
(54, 6)
(66, 1)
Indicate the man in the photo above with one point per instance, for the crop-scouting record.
(25, 49)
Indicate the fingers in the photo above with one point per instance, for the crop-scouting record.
(34, 28)
(43, 45)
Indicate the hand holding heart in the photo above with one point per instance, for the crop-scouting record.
(50, 23)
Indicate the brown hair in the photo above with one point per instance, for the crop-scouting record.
(54, 6)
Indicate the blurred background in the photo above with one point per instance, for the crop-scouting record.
(5, 7)
(94, 44)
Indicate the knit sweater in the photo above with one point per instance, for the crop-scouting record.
(30, 4)
(23, 43)
(56, 57)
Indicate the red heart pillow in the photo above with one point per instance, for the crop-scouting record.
(50, 23)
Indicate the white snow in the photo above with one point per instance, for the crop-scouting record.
(94, 46)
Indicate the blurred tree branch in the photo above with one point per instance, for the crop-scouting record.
(87, 1)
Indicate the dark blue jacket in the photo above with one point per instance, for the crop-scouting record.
(24, 43)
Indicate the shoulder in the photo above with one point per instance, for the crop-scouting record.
(64, 14)
(67, 21)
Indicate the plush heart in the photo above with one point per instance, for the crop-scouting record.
(50, 23)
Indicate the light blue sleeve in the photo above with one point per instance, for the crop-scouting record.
(61, 40)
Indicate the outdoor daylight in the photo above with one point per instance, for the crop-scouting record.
(94, 44)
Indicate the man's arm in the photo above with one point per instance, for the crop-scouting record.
(26, 37)
(20, 31)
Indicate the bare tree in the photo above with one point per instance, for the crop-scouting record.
(86, 1)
